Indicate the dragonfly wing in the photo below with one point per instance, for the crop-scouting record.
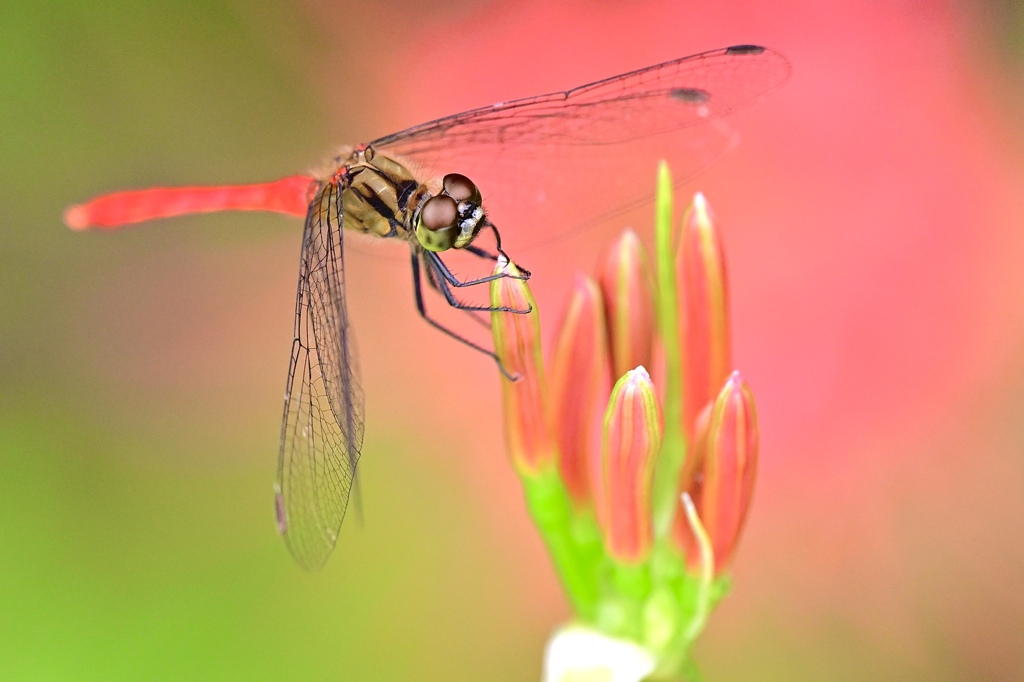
(322, 429)
(559, 161)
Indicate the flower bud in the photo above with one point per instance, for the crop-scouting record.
(517, 344)
(625, 277)
(579, 382)
(704, 324)
(632, 439)
(723, 487)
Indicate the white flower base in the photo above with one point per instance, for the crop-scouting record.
(579, 654)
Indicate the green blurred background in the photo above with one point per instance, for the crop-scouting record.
(874, 227)
(143, 371)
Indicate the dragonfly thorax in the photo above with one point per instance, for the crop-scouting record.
(381, 196)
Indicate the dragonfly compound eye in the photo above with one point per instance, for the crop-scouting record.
(438, 227)
(461, 188)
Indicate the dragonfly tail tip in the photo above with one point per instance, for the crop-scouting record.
(76, 217)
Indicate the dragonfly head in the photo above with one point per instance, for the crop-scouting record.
(451, 219)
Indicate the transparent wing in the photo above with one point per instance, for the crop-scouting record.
(322, 429)
(555, 162)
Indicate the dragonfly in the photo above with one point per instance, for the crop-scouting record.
(563, 161)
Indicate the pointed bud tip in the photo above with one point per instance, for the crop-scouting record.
(582, 329)
(503, 264)
(700, 211)
(585, 288)
(736, 391)
(664, 175)
(509, 289)
(628, 237)
(639, 375)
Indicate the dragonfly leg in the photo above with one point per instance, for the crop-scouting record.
(443, 287)
(435, 266)
(438, 267)
(422, 309)
(473, 314)
(482, 253)
(524, 274)
(479, 252)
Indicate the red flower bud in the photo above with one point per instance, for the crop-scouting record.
(704, 325)
(724, 483)
(579, 384)
(632, 439)
(625, 277)
(517, 343)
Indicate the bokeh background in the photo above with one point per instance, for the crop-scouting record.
(874, 221)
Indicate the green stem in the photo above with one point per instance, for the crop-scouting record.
(665, 491)
(573, 542)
